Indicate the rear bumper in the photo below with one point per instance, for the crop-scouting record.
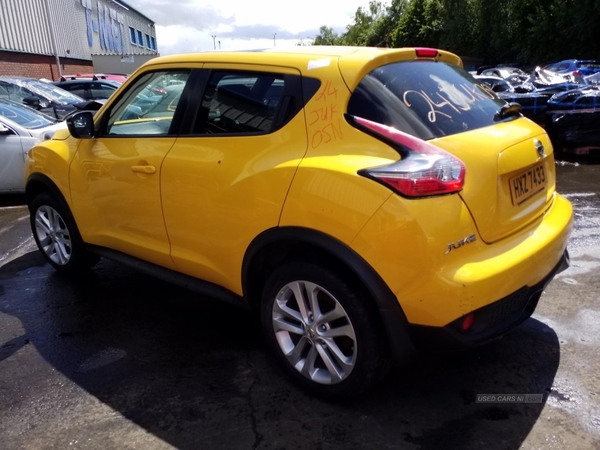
(491, 322)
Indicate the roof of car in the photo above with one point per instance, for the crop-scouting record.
(85, 80)
(354, 62)
(16, 78)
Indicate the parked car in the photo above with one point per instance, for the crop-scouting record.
(365, 202)
(89, 89)
(20, 128)
(576, 67)
(39, 95)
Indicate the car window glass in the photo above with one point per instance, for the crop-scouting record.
(4, 90)
(77, 89)
(51, 92)
(25, 117)
(563, 67)
(239, 103)
(588, 65)
(424, 98)
(100, 90)
(148, 106)
(18, 93)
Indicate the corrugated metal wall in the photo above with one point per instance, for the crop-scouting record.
(24, 27)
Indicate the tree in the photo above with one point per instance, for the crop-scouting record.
(367, 28)
(327, 36)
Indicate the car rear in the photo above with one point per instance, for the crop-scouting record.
(474, 229)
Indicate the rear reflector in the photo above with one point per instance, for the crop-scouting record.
(468, 322)
(426, 52)
(424, 169)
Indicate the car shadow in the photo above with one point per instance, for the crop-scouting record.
(197, 374)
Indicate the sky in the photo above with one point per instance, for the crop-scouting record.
(184, 26)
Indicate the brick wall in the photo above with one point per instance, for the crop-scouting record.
(40, 66)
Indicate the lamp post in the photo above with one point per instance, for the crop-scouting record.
(53, 39)
(214, 36)
(274, 40)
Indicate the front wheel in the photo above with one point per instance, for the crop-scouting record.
(322, 330)
(56, 235)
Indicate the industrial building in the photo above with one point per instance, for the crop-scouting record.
(50, 38)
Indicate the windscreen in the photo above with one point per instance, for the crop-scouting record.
(25, 117)
(53, 92)
(425, 98)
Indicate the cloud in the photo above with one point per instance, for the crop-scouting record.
(183, 13)
(188, 25)
(265, 32)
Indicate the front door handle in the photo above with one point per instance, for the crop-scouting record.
(144, 169)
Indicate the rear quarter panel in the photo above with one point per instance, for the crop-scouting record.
(327, 194)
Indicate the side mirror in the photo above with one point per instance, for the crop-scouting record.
(32, 102)
(81, 125)
(4, 129)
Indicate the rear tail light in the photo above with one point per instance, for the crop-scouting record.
(424, 169)
(577, 73)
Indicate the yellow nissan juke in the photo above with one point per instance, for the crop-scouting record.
(367, 203)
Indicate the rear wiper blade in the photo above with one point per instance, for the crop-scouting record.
(510, 109)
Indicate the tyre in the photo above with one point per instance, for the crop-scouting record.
(56, 235)
(322, 331)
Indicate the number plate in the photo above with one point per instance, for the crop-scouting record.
(527, 184)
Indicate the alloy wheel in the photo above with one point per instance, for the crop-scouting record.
(314, 332)
(53, 235)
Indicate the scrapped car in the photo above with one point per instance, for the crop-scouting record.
(44, 97)
(573, 121)
(20, 129)
(495, 83)
(367, 203)
(501, 71)
(575, 66)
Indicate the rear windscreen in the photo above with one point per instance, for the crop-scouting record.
(425, 98)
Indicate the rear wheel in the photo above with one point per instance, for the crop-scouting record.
(56, 235)
(322, 330)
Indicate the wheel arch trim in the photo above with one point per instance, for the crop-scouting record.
(40, 178)
(389, 309)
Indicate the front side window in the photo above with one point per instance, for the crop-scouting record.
(425, 98)
(148, 106)
(239, 103)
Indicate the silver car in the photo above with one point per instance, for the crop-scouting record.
(20, 129)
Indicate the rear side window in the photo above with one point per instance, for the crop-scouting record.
(239, 103)
(424, 98)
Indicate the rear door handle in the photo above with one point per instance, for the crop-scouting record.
(144, 169)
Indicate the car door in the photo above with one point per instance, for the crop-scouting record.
(12, 156)
(115, 177)
(226, 181)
